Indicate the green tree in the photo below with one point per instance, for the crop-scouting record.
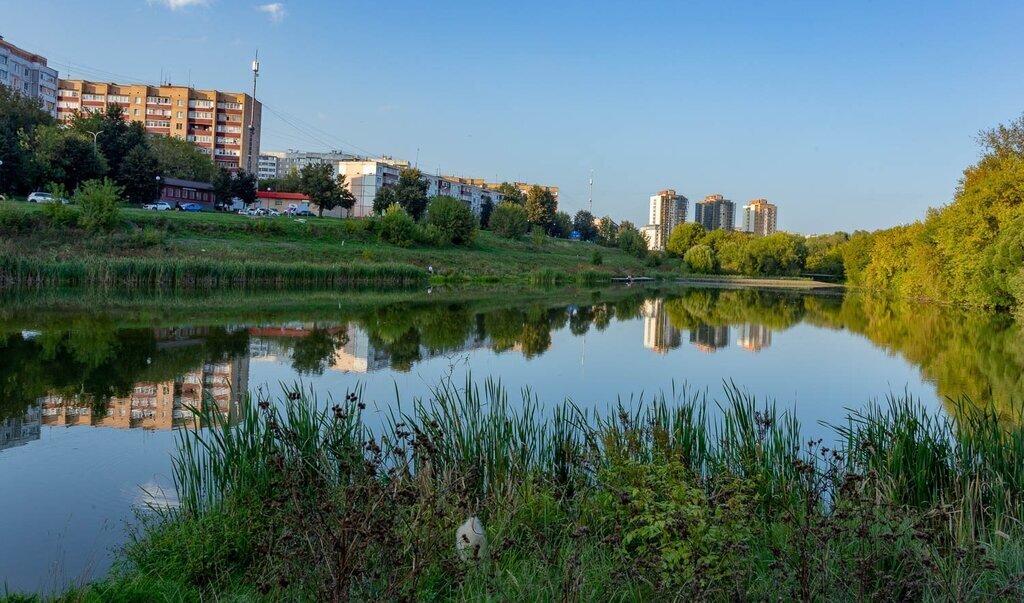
(509, 220)
(411, 192)
(701, 259)
(116, 135)
(99, 202)
(453, 219)
(19, 118)
(631, 241)
(683, 237)
(139, 171)
(486, 209)
(561, 226)
(777, 254)
(510, 193)
(316, 181)
(240, 185)
(583, 223)
(383, 199)
(178, 158)
(607, 232)
(62, 156)
(541, 207)
(346, 200)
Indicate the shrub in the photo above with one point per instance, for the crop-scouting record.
(430, 235)
(701, 259)
(596, 258)
(453, 219)
(633, 243)
(397, 227)
(59, 214)
(99, 201)
(509, 220)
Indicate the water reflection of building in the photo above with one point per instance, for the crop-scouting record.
(158, 405)
(659, 334)
(358, 355)
(753, 337)
(17, 431)
(709, 338)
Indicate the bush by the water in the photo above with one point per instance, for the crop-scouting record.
(701, 259)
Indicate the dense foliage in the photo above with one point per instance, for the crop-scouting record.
(453, 219)
(510, 220)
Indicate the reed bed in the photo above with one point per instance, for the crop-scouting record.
(675, 496)
(20, 271)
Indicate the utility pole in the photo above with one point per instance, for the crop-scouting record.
(252, 113)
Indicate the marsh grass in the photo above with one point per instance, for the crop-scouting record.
(27, 271)
(677, 496)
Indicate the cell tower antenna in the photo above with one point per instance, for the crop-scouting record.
(591, 191)
(252, 111)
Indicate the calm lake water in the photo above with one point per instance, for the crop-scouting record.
(94, 392)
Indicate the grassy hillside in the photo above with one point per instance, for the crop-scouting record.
(27, 230)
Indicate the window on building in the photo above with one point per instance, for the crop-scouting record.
(138, 100)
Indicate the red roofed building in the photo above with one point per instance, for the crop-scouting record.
(281, 201)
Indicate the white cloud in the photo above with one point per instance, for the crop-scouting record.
(274, 9)
(179, 4)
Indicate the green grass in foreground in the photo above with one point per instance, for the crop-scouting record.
(652, 501)
(240, 240)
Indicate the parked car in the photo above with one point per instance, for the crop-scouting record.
(257, 211)
(273, 212)
(192, 207)
(41, 197)
(304, 212)
(158, 206)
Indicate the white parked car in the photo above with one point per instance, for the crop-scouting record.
(40, 197)
(273, 212)
(257, 211)
(158, 206)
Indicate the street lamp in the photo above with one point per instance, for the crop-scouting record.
(1, 178)
(161, 190)
(95, 135)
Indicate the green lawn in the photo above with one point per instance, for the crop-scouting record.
(231, 237)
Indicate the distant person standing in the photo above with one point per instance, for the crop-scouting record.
(430, 269)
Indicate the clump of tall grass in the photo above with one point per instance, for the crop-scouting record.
(546, 276)
(16, 270)
(649, 499)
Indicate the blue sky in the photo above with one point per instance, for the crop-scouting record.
(858, 114)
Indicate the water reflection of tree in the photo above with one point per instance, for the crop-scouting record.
(316, 351)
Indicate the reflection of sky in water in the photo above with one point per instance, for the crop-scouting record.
(68, 494)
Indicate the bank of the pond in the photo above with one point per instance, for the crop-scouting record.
(265, 251)
(300, 501)
(764, 283)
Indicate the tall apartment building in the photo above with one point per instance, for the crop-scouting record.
(218, 123)
(759, 217)
(267, 166)
(715, 212)
(668, 210)
(27, 73)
